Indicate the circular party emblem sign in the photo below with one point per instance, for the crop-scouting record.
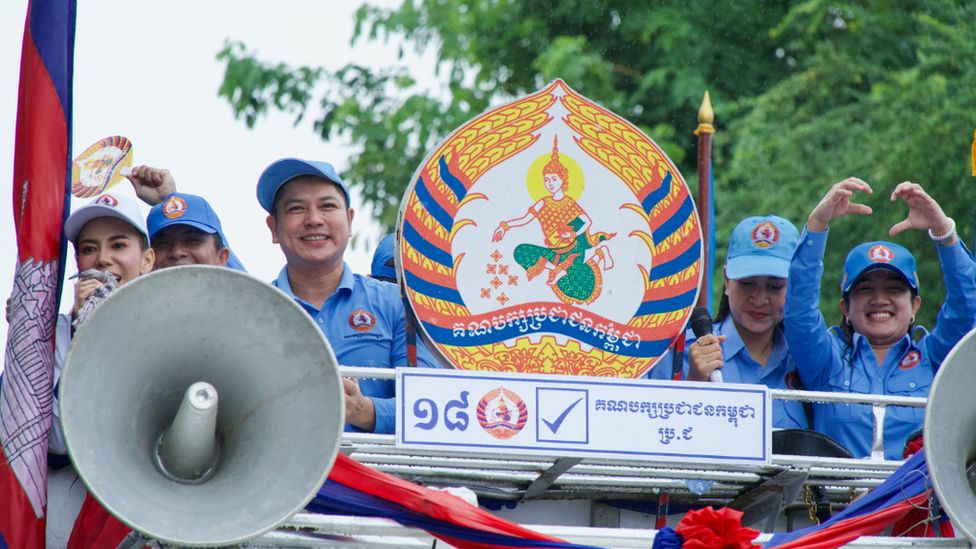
(102, 166)
(549, 235)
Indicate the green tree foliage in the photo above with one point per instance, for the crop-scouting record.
(881, 90)
(805, 94)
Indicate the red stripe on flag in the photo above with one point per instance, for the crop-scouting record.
(39, 160)
(18, 526)
(844, 531)
(438, 505)
(96, 528)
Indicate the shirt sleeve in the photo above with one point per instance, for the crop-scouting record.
(805, 329)
(385, 409)
(957, 315)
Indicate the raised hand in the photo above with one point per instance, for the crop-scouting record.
(923, 211)
(152, 185)
(837, 203)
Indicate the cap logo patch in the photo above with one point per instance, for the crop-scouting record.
(361, 321)
(765, 235)
(910, 361)
(107, 200)
(174, 207)
(881, 254)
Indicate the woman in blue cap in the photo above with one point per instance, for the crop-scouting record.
(748, 343)
(873, 351)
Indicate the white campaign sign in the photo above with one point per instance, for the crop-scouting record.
(583, 416)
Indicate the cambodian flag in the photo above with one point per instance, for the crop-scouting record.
(905, 491)
(42, 179)
(357, 490)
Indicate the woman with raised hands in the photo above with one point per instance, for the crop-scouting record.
(877, 348)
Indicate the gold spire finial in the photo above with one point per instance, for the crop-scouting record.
(705, 116)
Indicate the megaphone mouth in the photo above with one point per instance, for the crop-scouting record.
(266, 451)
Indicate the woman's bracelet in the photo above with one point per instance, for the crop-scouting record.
(946, 239)
(505, 227)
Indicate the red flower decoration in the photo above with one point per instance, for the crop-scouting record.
(710, 529)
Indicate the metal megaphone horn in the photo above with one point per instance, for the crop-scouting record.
(201, 406)
(950, 435)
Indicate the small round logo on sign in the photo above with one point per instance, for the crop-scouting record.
(502, 413)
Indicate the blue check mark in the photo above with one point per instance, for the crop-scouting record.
(554, 425)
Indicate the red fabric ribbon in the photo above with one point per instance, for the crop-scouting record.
(710, 529)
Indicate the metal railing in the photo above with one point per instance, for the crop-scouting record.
(510, 477)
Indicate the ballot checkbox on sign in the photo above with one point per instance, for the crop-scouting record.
(562, 415)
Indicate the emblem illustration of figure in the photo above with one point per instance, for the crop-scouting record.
(573, 277)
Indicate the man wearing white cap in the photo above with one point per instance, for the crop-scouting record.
(310, 219)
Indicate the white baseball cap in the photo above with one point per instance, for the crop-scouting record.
(106, 205)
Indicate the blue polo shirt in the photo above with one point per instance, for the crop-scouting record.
(826, 363)
(739, 367)
(364, 322)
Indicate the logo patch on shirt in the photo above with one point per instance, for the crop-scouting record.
(502, 413)
(910, 361)
(881, 254)
(362, 321)
(107, 200)
(765, 235)
(174, 207)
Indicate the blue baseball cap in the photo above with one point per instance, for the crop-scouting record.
(761, 246)
(871, 256)
(383, 266)
(184, 209)
(286, 169)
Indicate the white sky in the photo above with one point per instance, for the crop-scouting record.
(148, 70)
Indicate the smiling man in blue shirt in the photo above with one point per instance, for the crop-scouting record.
(310, 219)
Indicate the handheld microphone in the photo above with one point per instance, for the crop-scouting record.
(701, 324)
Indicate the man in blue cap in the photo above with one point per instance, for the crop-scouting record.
(310, 218)
(183, 228)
